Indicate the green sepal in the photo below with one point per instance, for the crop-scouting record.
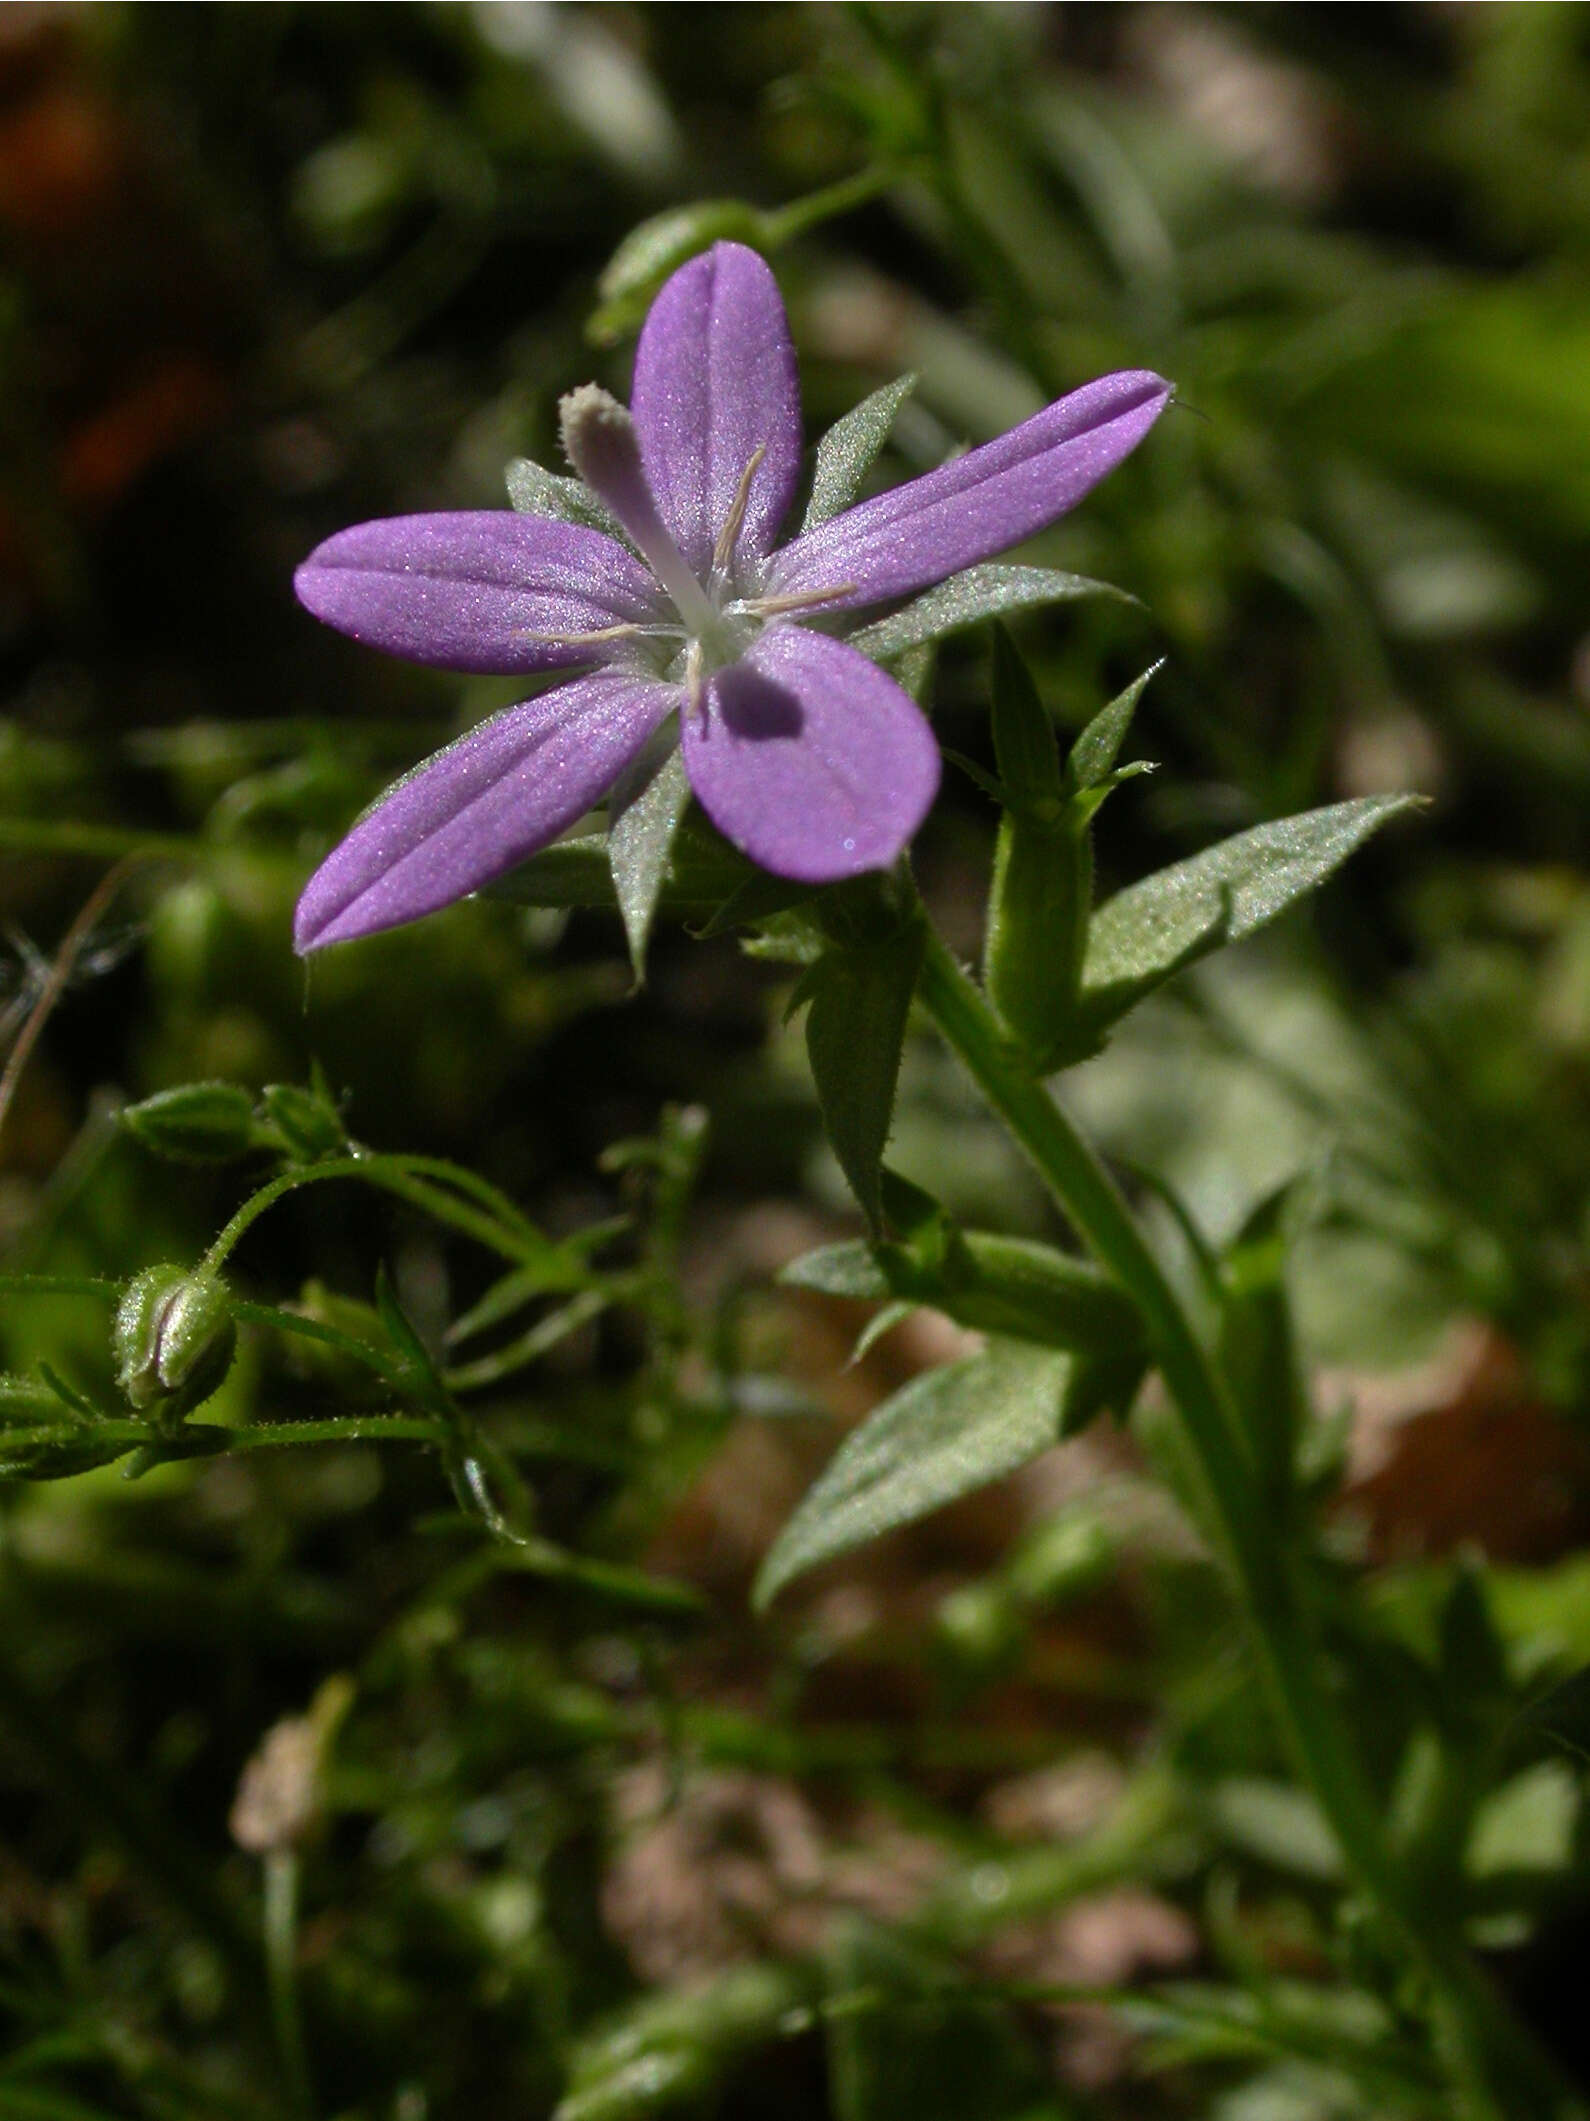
(644, 818)
(859, 995)
(967, 598)
(535, 491)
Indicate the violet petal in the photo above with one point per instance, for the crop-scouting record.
(811, 759)
(488, 801)
(980, 504)
(715, 380)
(473, 590)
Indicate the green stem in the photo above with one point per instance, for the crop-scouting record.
(281, 1970)
(391, 1176)
(1503, 2073)
(785, 223)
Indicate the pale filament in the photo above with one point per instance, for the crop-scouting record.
(797, 600)
(723, 551)
(625, 630)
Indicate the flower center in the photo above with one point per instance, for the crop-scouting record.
(718, 625)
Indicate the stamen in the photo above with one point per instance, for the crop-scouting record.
(602, 445)
(723, 551)
(797, 600)
(624, 631)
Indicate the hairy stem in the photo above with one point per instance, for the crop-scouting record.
(1503, 2075)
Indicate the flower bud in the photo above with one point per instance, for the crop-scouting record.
(196, 1123)
(310, 1126)
(173, 1339)
(650, 252)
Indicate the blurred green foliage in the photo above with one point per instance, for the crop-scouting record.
(571, 1832)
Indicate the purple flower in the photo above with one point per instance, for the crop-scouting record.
(805, 754)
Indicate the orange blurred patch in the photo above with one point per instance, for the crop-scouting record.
(105, 453)
(60, 160)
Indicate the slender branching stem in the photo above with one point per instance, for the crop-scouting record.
(1493, 2058)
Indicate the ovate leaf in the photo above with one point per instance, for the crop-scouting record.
(945, 1435)
(1150, 930)
(845, 454)
(975, 594)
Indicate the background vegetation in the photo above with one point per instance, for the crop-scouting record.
(318, 1796)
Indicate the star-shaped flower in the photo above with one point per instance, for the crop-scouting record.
(805, 754)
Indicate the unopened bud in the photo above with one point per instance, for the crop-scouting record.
(174, 1338)
(310, 1126)
(196, 1123)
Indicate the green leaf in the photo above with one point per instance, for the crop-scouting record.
(945, 1435)
(855, 1032)
(1094, 752)
(878, 1327)
(642, 828)
(534, 491)
(849, 1269)
(845, 454)
(1010, 1286)
(1150, 930)
(1276, 1822)
(975, 594)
